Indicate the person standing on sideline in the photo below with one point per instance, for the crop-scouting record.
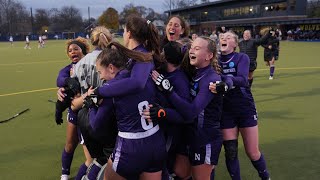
(239, 112)
(250, 46)
(27, 46)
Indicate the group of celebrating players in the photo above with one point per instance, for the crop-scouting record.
(157, 110)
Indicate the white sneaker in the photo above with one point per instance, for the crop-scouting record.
(271, 77)
(64, 177)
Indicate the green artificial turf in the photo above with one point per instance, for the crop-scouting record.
(287, 107)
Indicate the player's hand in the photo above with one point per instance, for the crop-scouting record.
(146, 113)
(212, 87)
(90, 91)
(60, 94)
(219, 87)
(157, 112)
(91, 100)
(162, 83)
(154, 112)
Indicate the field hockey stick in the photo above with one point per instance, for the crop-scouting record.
(50, 100)
(16, 115)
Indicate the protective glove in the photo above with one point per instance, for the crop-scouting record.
(221, 87)
(157, 112)
(91, 101)
(163, 84)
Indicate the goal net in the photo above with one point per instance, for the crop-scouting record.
(68, 35)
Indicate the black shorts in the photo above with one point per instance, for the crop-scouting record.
(253, 66)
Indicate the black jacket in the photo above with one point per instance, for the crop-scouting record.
(250, 47)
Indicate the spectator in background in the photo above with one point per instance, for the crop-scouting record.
(214, 37)
(194, 36)
(223, 29)
(279, 34)
(250, 46)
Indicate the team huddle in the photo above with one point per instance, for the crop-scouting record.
(151, 109)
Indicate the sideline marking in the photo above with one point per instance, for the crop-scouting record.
(55, 88)
(26, 63)
(293, 68)
(26, 92)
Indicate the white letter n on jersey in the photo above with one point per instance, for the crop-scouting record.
(196, 157)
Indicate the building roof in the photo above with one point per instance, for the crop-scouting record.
(200, 5)
(266, 21)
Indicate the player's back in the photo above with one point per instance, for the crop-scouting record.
(129, 108)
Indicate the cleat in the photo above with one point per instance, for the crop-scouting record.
(271, 77)
(64, 177)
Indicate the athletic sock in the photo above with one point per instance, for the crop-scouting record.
(66, 160)
(82, 171)
(233, 164)
(261, 167)
(94, 170)
(212, 174)
(233, 168)
(272, 69)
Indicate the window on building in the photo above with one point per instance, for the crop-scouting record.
(241, 11)
(292, 4)
(276, 7)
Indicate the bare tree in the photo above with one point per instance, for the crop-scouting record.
(128, 10)
(313, 8)
(68, 18)
(41, 19)
(175, 4)
(14, 17)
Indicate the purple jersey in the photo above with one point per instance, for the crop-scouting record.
(100, 117)
(64, 73)
(205, 109)
(136, 82)
(181, 86)
(129, 108)
(235, 68)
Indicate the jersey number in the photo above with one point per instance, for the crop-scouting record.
(145, 125)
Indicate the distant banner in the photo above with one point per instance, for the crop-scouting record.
(309, 27)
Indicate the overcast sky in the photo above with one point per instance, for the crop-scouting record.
(96, 6)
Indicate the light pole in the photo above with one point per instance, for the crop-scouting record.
(170, 9)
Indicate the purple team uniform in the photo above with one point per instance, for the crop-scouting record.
(175, 127)
(238, 105)
(205, 136)
(140, 146)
